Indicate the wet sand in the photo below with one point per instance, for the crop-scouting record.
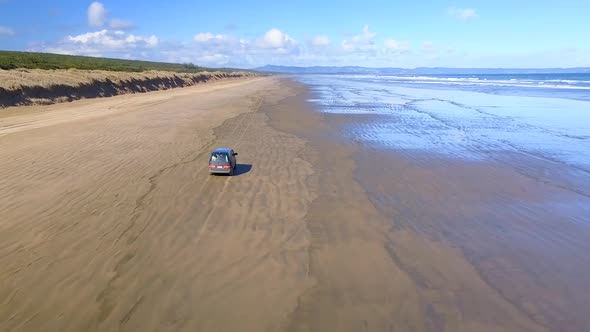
(375, 269)
(525, 240)
(490, 238)
(109, 221)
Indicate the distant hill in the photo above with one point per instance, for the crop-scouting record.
(416, 71)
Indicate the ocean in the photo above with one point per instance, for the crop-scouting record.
(542, 117)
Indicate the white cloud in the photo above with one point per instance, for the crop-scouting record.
(396, 46)
(320, 41)
(119, 24)
(112, 40)
(391, 44)
(221, 49)
(363, 42)
(104, 42)
(207, 36)
(211, 49)
(203, 37)
(151, 41)
(97, 14)
(464, 14)
(278, 47)
(5, 31)
(98, 17)
(275, 38)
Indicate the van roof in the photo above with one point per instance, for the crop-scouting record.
(221, 150)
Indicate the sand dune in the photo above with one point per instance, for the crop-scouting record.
(37, 86)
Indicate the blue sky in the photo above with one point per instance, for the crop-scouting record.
(485, 33)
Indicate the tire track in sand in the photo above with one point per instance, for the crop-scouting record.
(84, 182)
(105, 297)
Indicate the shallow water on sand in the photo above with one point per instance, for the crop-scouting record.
(552, 132)
(503, 177)
(462, 123)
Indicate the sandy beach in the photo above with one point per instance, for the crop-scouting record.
(109, 221)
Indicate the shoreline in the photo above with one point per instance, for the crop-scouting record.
(363, 252)
(482, 244)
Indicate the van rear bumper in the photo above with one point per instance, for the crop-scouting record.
(219, 170)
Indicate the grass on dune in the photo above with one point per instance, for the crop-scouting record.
(31, 60)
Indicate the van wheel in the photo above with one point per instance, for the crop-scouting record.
(231, 172)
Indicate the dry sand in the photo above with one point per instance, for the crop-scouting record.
(110, 221)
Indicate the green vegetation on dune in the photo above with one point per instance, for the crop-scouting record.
(31, 60)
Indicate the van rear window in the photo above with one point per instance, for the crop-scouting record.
(219, 158)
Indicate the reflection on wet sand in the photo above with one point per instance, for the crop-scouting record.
(527, 239)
